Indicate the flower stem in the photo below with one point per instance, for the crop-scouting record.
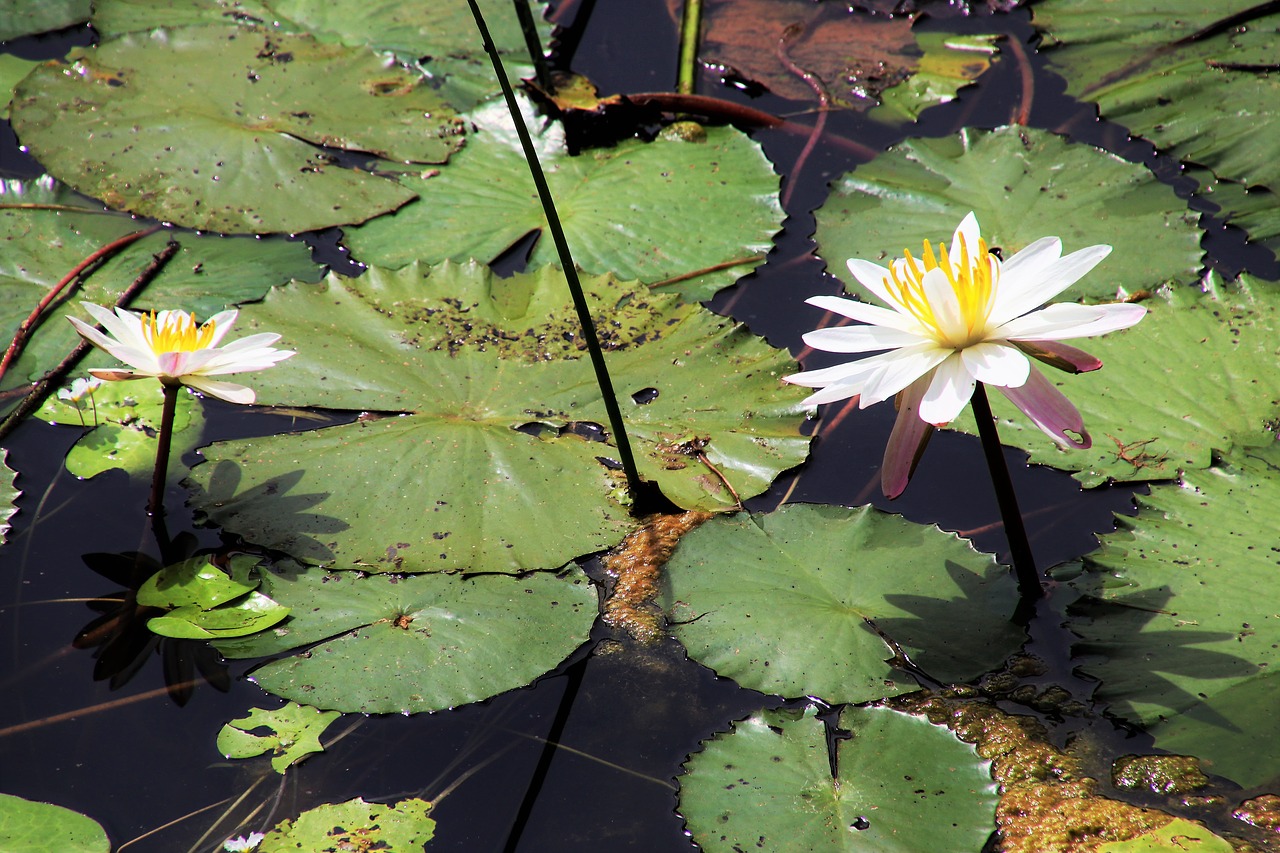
(155, 506)
(529, 28)
(1024, 565)
(690, 31)
(616, 424)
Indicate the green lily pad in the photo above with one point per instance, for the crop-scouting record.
(1023, 184)
(625, 210)
(199, 582)
(122, 420)
(790, 602)
(116, 17)
(30, 827)
(401, 827)
(394, 644)
(1172, 615)
(1213, 99)
(1196, 375)
(24, 18)
(502, 420)
(1178, 836)
(901, 786)
(1255, 210)
(950, 61)
(40, 245)
(12, 70)
(294, 734)
(8, 495)
(251, 614)
(252, 105)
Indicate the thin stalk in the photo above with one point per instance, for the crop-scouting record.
(529, 29)
(616, 425)
(155, 506)
(1024, 565)
(690, 30)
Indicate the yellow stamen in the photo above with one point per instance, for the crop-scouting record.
(971, 279)
(179, 333)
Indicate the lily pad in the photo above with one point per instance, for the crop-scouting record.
(1023, 184)
(901, 785)
(197, 581)
(253, 106)
(8, 495)
(501, 420)
(30, 827)
(1179, 836)
(294, 734)
(794, 602)
(24, 18)
(1171, 620)
(1196, 375)
(630, 210)
(1170, 73)
(401, 827)
(950, 61)
(394, 644)
(1255, 210)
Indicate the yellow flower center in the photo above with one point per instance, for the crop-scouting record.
(970, 279)
(178, 333)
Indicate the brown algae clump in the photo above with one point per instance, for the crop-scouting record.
(636, 565)
(1159, 774)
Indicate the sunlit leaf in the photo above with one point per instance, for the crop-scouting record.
(294, 733)
(1197, 374)
(12, 69)
(1172, 624)
(950, 62)
(355, 825)
(8, 495)
(502, 420)
(25, 18)
(901, 786)
(199, 582)
(394, 644)
(253, 105)
(30, 827)
(1179, 836)
(649, 211)
(1023, 184)
(791, 602)
(251, 614)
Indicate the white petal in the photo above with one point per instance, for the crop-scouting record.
(222, 323)
(126, 329)
(844, 374)
(143, 359)
(996, 364)
(859, 339)
(972, 234)
(948, 393)
(1032, 260)
(261, 339)
(872, 277)
(1048, 321)
(1048, 283)
(946, 308)
(901, 368)
(228, 391)
(247, 362)
(864, 313)
(832, 394)
(1116, 316)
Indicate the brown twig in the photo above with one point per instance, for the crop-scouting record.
(1022, 114)
(824, 105)
(39, 390)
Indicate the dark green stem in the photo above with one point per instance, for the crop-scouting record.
(690, 31)
(529, 28)
(616, 424)
(1024, 565)
(155, 506)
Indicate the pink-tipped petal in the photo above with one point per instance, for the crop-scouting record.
(118, 375)
(175, 364)
(1060, 355)
(996, 364)
(949, 392)
(1049, 410)
(907, 441)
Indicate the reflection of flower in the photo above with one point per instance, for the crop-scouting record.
(955, 318)
(169, 346)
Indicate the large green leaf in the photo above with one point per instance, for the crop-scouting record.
(901, 786)
(394, 644)
(649, 211)
(792, 602)
(400, 827)
(493, 466)
(25, 17)
(216, 127)
(1174, 625)
(42, 243)
(1197, 374)
(31, 827)
(1023, 184)
(1166, 70)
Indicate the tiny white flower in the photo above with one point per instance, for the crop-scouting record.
(954, 318)
(243, 844)
(79, 389)
(171, 347)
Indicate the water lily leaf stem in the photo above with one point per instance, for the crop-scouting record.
(1024, 565)
(690, 29)
(616, 425)
(529, 29)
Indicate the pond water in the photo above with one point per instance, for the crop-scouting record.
(110, 739)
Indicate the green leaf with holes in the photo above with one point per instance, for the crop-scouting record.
(292, 733)
(701, 213)
(902, 785)
(496, 418)
(800, 602)
(253, 106)
(378, 644)
(1023, 184)
(1171, 621)
(405, 826)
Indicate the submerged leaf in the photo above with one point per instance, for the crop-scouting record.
(294, 733)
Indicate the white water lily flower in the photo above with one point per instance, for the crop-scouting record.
(171, 347)
(79, 389)
(954, 318)
(243, 844)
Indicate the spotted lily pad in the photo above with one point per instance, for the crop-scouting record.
(1023, 184)
(30, 827)
(293, 733)
(499, 420)
(401, 827)
(628, 210)
(795, 602)
(901, 785)
(253, 105)
(394, 644)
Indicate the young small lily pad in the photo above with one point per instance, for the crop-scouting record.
(295, 732)
(208, 603)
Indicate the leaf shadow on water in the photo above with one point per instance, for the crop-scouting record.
(289, 526)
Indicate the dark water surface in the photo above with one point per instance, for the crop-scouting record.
(135, 760)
